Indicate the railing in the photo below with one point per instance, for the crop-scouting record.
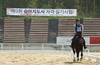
(40, 46)
(31, 46)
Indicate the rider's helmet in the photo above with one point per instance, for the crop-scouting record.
(77, 20)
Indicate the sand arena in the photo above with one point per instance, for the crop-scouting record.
(39, 58)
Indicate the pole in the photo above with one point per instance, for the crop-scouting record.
(94, 7)
(86, 6)
(1, 46)
(42, 46)
(22, 47)
(0, 8)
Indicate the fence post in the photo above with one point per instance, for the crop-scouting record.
(42, 46)
(22, 47)
(62, 47)
(1, 46)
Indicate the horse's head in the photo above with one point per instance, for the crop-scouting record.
(79, 40)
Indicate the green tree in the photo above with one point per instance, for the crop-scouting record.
(86, 8)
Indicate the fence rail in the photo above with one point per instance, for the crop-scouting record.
(39, 46)
(32, 46)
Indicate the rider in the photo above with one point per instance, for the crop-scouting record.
(78, 29)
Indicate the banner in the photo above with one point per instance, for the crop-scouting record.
(95, 40)
(41, 12)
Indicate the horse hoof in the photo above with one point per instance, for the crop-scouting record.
(74, 60)
(77, 60)
(80, 59)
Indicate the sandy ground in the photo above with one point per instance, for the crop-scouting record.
(96, 54)
(39, 58)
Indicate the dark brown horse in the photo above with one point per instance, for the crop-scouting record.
(78, 47)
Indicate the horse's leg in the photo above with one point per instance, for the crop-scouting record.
(74, 58)
(81, 55)
(73, 50)
(74, 54)
(77, 55)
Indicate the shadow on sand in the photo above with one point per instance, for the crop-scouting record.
(71, 62)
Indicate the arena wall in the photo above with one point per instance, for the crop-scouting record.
(44, 30)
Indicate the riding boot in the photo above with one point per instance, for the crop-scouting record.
(73, 40)
(84, 44)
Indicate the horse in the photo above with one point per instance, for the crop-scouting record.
(78, 47)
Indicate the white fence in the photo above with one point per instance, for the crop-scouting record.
(40, 46)
(31, 46)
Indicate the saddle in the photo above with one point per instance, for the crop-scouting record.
(79, 39)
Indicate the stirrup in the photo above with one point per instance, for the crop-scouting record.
(85, 47)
